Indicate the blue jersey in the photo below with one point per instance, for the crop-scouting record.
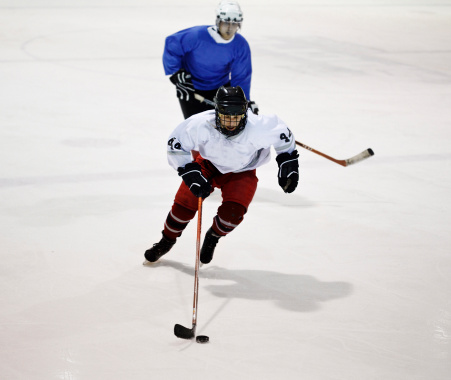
(211, 60)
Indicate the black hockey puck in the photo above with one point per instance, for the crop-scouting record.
(202, 339)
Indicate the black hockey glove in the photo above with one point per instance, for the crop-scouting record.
(184, 85)
(254, 107)
(194, 179)
(288, 170)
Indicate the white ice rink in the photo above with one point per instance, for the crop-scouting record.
(348, 278)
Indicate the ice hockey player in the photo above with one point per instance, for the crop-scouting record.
(232, 143)
(203, 58)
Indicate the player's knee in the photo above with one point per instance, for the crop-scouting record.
(231, 212)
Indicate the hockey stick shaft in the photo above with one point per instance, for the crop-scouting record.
(253, 107)
(201, 99)
(196, 270)
(353, 160)
(179, 330)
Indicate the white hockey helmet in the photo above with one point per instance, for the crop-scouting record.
(229, 11)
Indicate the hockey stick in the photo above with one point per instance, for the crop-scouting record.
(353, 160)
(350, 161)
(252, 105)
(179, 330)
(201, 99)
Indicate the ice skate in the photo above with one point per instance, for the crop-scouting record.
(209, 245)
(159, 249)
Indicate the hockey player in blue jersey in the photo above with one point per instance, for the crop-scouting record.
(201, 59)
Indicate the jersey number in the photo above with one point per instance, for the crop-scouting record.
(174, 146)
(283, 136)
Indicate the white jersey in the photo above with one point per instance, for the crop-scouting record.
(246, 151)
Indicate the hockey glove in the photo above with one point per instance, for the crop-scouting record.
(254, 107)
(288, 170)
(194, 179)
(183, 84)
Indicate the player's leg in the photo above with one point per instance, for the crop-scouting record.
(238, 190)
(183, 210)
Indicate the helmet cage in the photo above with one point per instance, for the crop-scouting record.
(231, 101)
(228, 21)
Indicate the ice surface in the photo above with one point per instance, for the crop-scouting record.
(347, 278)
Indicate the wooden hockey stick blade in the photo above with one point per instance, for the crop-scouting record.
(350, 161)
(360, 157)
(184, 332)
(201, 99)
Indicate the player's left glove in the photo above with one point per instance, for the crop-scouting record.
(288, 170)
(254, 107)
(184, 85)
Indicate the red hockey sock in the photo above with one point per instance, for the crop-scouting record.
(229, 215)
(177, 220)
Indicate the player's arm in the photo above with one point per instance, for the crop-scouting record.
(241, 72)
(287, 158)
(175, 49)
(179, 154)
(179, 148)
(173, 54)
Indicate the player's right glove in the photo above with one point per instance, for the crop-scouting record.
(184, 85)
(194, 179)
(288, 170)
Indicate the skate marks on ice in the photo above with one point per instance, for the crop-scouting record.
(270, 196)
(45, 180)
(65, 210)
(86, 50)
(319, 56)
(87, 142)
(293, 292)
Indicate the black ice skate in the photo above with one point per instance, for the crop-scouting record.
(159, 249)
(209, 245)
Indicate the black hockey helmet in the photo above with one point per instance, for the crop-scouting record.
(231, 101)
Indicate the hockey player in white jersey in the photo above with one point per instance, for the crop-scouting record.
(232, 143)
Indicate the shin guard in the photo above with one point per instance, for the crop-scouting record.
(177, 220)
(229, 216)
